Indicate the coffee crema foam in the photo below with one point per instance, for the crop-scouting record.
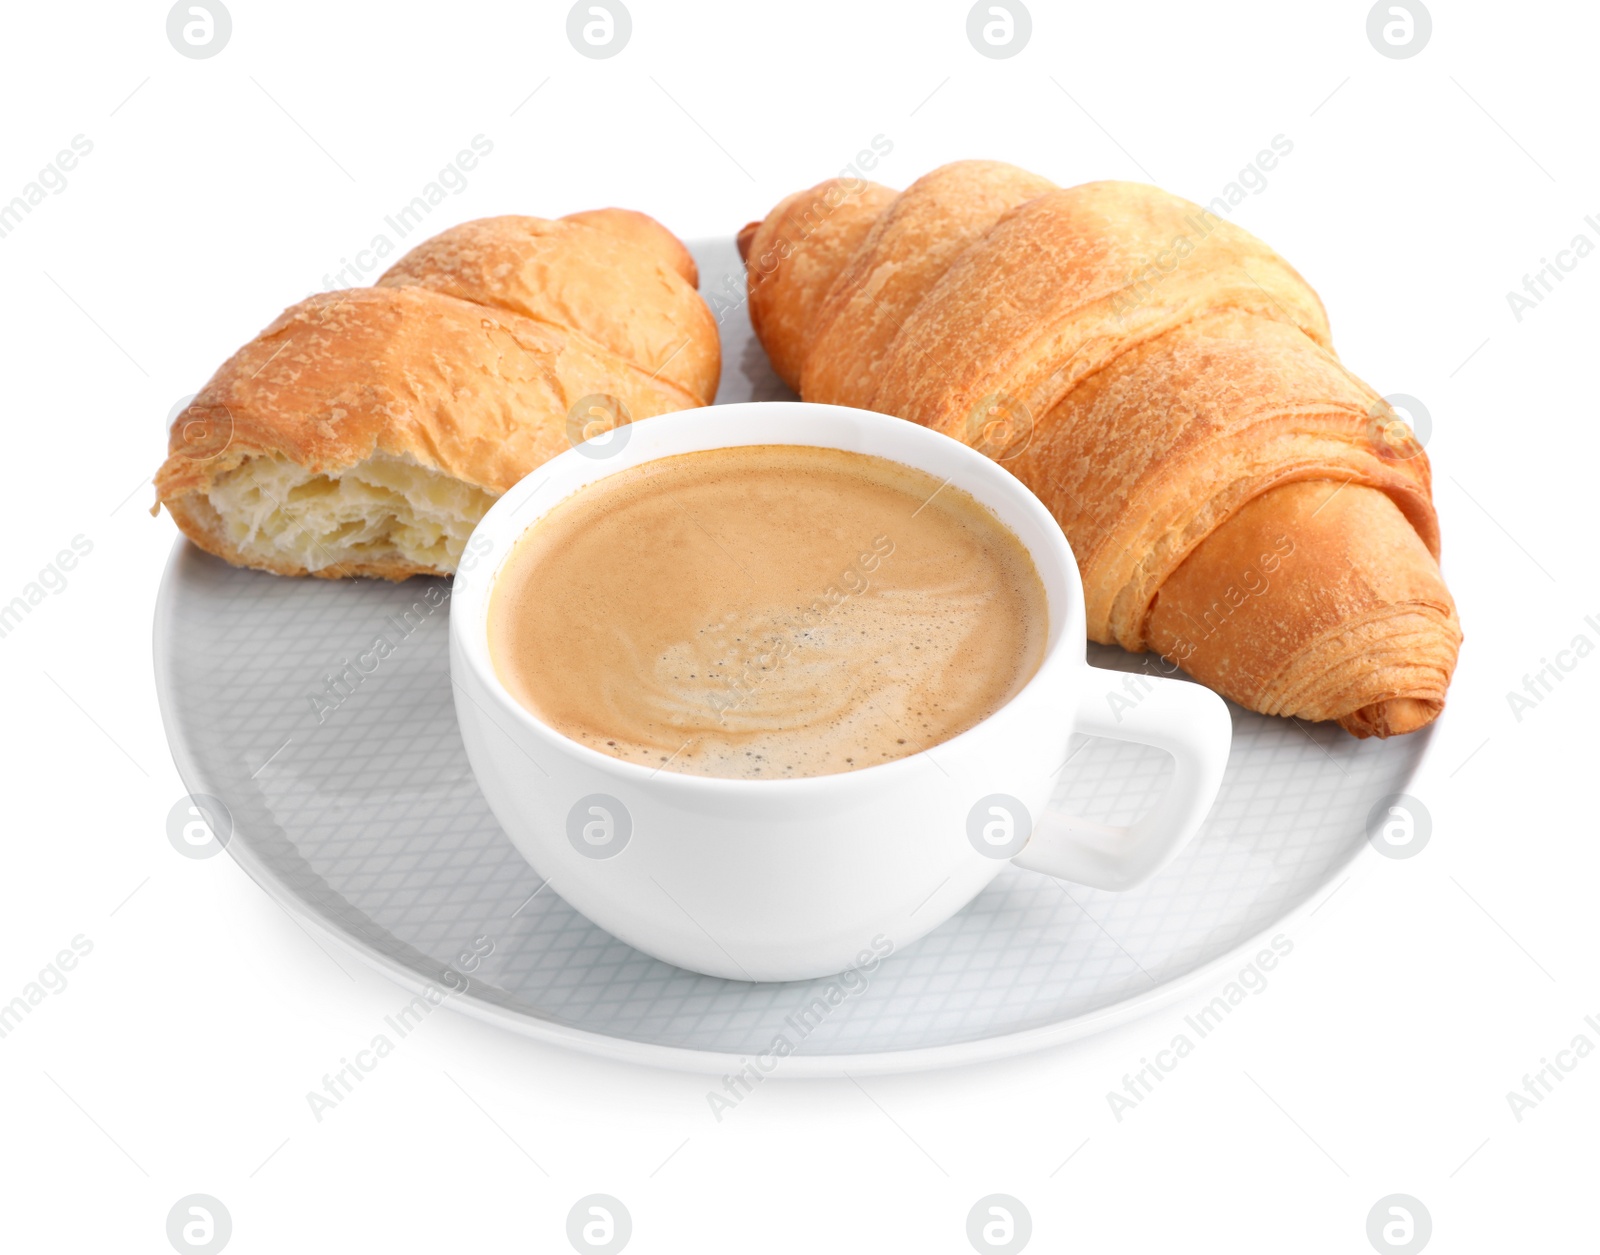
(765, 612)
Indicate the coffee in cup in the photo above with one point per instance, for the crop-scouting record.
(767, 612)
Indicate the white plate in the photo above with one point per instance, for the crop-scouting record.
(366, 824)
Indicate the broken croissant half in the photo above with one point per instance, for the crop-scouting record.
(365, 432)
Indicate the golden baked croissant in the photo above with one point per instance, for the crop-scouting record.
(365, 432)
(1237, 500)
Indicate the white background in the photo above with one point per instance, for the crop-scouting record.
(177, 1060)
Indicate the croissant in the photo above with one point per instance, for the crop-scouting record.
(365, 432)
(1238, 501)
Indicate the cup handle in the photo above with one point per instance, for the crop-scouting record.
(1187, 720)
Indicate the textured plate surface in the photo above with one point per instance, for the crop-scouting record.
(362, 818)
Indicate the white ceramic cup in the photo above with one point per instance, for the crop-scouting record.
(797, 878)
